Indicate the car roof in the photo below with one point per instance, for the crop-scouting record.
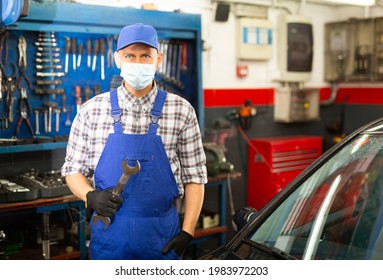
(374, 127)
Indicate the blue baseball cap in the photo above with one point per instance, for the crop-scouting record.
(137, 33)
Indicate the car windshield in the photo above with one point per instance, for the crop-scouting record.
(337, 212)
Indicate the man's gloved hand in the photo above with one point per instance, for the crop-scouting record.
(103, 202)
(178, 243)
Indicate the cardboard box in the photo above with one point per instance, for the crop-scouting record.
(209, 219)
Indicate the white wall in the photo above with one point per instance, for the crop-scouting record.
(219, 60)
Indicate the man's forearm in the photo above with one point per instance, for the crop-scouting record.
(79, 185)
(194, 194)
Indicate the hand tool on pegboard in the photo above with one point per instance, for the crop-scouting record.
(25, 109)
(48, 49)
(57, 112)
(160, 50)
(54, 91)
(79, 54)
(67, 51)
(4, 45)
(63, 101)
(87, 93)
(50, 74)
(110, 57)
(47, 60)
(43, 67)
(184, 66)
(49, 55)
(47, 38)
(78, 98)
(68, 122)
(88, 52)
(95, 54)
(165, 44)
(173, 63)
(37, 121)
(51, 106)
(178, 81)
(46, 35)
(22, 49)
(96, 90)
(74, 52)
(48, 82)
(102, 57)
(9, 86)
(169, 62)
(51, 43)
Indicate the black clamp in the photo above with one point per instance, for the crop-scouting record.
(116, 115)
(154, 119)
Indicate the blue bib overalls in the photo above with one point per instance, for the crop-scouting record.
(148, 218)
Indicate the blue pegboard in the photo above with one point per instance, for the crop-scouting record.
(85, 22)
(82, 76)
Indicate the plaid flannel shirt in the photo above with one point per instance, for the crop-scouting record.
(178, 128)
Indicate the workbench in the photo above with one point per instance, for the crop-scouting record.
(221, 181)
(44, 206)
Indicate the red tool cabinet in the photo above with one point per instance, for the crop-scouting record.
(277, 161)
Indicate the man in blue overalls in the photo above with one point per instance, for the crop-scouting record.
(138, 122)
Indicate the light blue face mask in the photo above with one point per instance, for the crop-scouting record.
(138, 75)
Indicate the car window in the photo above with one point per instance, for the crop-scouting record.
(337, 213)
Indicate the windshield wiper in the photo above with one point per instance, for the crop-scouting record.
(278, 253)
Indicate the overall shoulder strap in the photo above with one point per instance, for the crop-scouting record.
(115, 111)
(155, 113)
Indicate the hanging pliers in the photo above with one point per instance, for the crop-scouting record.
(4, 43)
(22, 48)
(25, 110)
(24, 102)
(9, 87)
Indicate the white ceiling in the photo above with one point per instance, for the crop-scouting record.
(324, 2)
(342, 2)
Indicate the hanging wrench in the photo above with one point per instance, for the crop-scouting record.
(127, 172)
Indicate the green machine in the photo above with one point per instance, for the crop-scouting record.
(215, 159)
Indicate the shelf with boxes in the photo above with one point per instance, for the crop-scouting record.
(213, 223)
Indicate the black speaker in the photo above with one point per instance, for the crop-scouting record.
(222, 12)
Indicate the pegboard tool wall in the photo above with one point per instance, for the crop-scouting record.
(180, 72)
(82, 76)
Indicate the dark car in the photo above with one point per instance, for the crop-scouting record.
(333, 210)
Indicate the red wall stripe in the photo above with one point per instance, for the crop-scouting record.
(373, 96)
(265, 96)
(237, 97)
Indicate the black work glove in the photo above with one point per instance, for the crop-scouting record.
(103, 202)
(178, 243)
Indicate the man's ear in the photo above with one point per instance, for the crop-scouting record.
(117, 60)
(159, 60)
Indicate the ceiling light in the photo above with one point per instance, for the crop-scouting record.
(352, 2)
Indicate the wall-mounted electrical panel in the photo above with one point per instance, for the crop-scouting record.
(255, 39)
(295, 47)
(296, 105)
(354, 50)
